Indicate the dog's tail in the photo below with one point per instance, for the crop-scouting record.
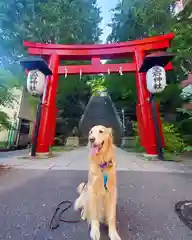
(81, 186)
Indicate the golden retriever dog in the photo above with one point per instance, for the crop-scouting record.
(98, 196)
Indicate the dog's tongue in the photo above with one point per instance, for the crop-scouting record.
(94, 150)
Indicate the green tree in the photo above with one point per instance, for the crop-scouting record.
(139, 19)
(122, 90)
(182, 44)
(72, 98)
(7, 98)
(97, 84)
(52, 21)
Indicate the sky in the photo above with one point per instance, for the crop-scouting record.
(106, 6)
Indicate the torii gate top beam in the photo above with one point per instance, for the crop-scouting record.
(97, 52)
(104, 51)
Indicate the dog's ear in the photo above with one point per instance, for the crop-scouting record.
(110, 131)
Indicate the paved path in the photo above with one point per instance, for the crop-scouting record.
(6, 156)
(77, 160)
(30, 191)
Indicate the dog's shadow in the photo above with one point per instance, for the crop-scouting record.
(122, 228)
(124, 234)
(104, 232)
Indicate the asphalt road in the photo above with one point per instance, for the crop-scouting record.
(145, 205)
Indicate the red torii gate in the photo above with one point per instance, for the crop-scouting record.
(137, 50)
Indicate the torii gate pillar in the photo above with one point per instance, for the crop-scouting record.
(144, 111)
(49, 111)
(133, 49)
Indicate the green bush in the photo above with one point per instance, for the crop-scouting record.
(185, 126)
(187, 139)
(188, 149)
(173, 141)
(137, 144)
(3, 144)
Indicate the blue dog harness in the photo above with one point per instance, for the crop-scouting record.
(105, 176)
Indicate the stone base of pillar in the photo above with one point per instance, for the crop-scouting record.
(151, 156)
(42, 155)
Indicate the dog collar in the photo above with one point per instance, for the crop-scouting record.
(105, 176)
(105, 165)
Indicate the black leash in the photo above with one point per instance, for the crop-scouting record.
(58, 218)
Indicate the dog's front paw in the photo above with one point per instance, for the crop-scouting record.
(95, 232)
(114, 235)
